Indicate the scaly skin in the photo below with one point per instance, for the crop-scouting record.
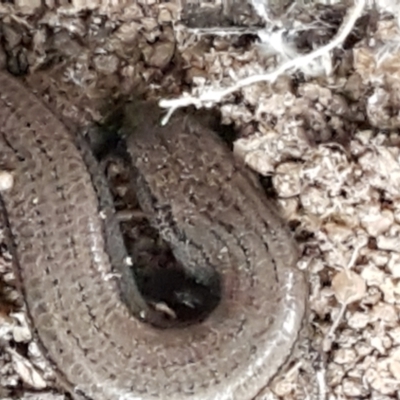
(69, 256)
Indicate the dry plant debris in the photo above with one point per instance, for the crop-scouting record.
(322, 125)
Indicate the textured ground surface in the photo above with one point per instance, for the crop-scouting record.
(328, 145)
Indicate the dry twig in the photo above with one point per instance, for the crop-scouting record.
(214, 96)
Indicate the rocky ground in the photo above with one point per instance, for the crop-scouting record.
(324, 135)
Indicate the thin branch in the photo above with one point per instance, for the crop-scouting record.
(215, 96)
(223, 32)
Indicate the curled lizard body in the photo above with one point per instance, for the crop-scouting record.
(70, 259)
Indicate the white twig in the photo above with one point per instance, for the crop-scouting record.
(261, 8)
(214, 96)
(321, 381)
(330, 335)
(222, 32)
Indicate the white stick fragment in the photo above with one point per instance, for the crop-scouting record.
(199, 32)
(214, 96)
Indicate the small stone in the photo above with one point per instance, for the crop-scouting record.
(314, 201)
(6, 181)
(348, 287)
(385, 313)
(376, 221)
(106, 63)
(159, 55)
(372, 275)
(358, 320)
(354, 388)
(388, 243)
(344, 356)
(287, 179)
(164, 16)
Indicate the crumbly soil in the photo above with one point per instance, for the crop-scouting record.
(325, 138)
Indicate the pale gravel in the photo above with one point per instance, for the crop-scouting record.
(334, 169)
